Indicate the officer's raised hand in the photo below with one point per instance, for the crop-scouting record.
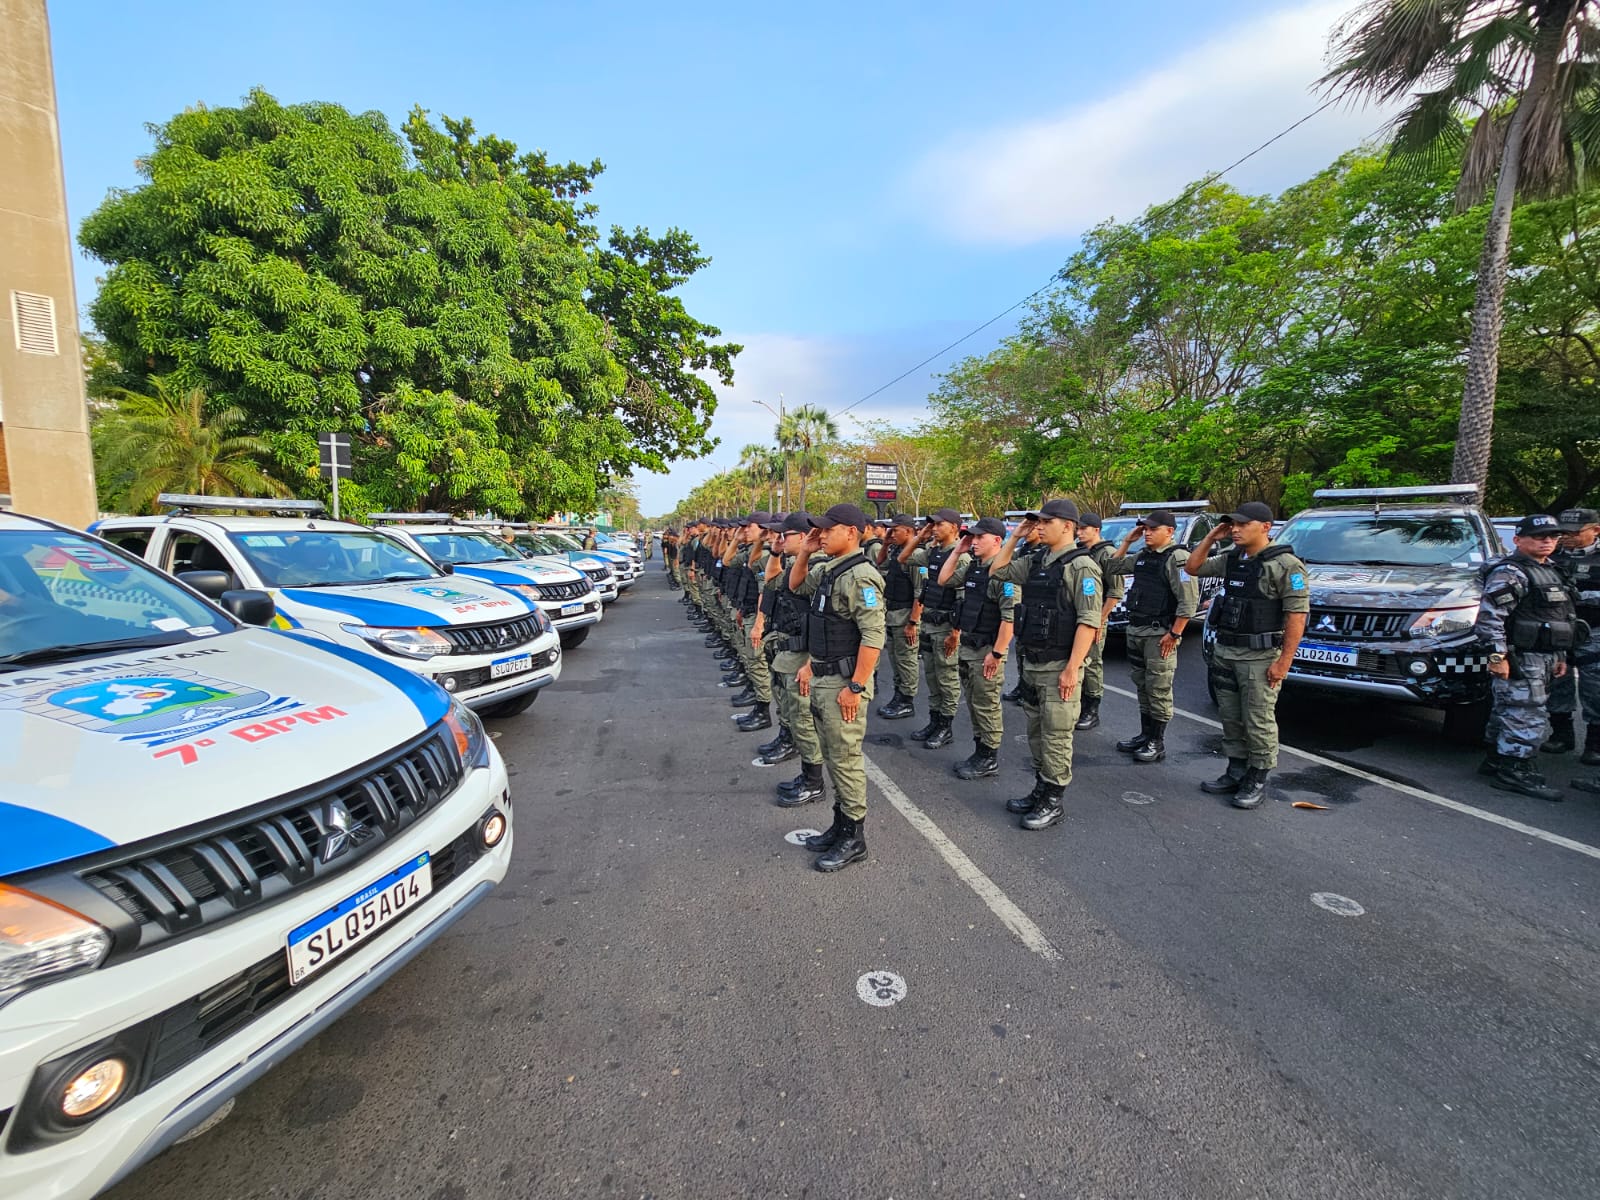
(1132, 536)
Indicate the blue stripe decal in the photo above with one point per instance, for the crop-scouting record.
(500, 578)
(29, 838)
(432, 701)
(368, 611)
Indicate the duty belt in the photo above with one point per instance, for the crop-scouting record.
(838, 666)
(1251, 641)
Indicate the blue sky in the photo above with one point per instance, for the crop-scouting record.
(871, 180)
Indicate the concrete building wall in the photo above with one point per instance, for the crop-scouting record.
(42, 407)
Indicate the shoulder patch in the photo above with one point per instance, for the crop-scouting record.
(1089, 587)
(1008, 590)
(869, 597)
(1297, 581)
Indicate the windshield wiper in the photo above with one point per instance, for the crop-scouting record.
(44, 654)
(396, 577)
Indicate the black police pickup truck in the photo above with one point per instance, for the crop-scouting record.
(1396, 574)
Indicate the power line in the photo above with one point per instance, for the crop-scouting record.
(1147, 219)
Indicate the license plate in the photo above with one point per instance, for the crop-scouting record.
(1336, 656)
(571, 610)
(345, 926)
(511, 666)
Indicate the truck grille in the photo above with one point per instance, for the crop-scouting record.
(598, 574)
(212, 876)
(499, 635)
(575, 590)
(1359, 624)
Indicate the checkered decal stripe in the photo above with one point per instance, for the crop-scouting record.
(1462, 664)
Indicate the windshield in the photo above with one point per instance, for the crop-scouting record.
(539, 543)
(562, 540)
(64, 595)
(468, 548)
(1401, 541)
(329, 558)
(1114, 529)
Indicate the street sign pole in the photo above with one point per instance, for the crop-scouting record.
(882, 482)
(333, 461)
(336, 495)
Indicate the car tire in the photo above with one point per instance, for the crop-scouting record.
(1211, 689)
(509, 708)
(573, 638)
(1464, 723)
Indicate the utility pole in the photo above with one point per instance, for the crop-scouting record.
(782, 449)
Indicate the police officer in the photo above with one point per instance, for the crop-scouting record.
(1094, 671)
(900, 581)
(780, 627)
(1161, 602)
(1579, 557)
(752, 565)
(934, 615)
(1057, 622)
(844, 636)
(1030, 545)
(669, 558)
(983, 634)
(872, 541)
(1260, 618)
(1529, 617)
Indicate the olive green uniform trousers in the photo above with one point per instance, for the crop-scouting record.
(943, 670)
(984, 705)
(1152, 675)
(902, 655)
(1050, 719)
(794, 710)
(842, 743)
(1247, 705)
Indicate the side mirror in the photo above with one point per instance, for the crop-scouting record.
(447, 568)
(208, 583)
(249, 605)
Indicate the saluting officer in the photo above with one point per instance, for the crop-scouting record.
(934, 616)
(747, 598)
(1260, 619)
(1161, 602)
(1529, 616)
(1057, 622)
(788, 642)
(844, 636)
(1028, 544)
(1094, 670)
(1579, 557)
(900, 580)
(983, 633)
(872, 541)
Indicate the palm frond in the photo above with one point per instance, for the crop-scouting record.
(1385, 48)
(1481, 163)
(1427, 137)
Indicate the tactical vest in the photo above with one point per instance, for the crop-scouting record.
(749, 589)
(873, 549)
(1546, 617)
(1151, 600)
(1246, 617)
(1582, 568)
(938, 601)
(829, 636)
(898, 591)
(979, 617)
(789, 614)
(1050, 615)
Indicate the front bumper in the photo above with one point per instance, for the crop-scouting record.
(1433, 673)
(79, 1012)
(476, 689)
(593, 610)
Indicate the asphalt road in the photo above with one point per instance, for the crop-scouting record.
(662, 999)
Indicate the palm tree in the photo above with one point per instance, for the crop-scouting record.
(1529, 72)
(802, 434)
(762, 466)
(163, 442)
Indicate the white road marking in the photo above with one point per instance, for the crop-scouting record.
(881, 988)
(1405, 789)
(797, 837)
(1339, 906)
(1012, 917)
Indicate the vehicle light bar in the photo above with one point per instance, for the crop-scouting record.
(398, 518)
(491, 524)
(183, 503)
(1173, 505)
(1389, 493)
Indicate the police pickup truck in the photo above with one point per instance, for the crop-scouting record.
(1396, 575)
(215, 840)
(563, 593)
(1195, 519)
(621, 562)
(490, 646)
(537, 544)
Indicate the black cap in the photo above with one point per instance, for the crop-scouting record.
(756, 518)
(1065, 509)
(902, 521)
(1543, 525)
(840, 514)
(949, 515)
(1251, 510)
(992, 525)
(1578, 518)
(797, 522)
(1090, 519)
(1161, 516)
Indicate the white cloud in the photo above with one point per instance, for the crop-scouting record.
(1115, 155)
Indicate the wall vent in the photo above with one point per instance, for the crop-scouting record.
(34, 318)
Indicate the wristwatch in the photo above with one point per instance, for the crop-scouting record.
(1496, 658)
(855, 687)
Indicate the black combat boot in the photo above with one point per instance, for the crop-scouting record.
(744, 699)
(850, 846)
(803, 789)
(1591, 742)
(1252, 789)
(897, 707)
(941, 736)
(830, 835)
(734, 678)
(1591, 786)
(1014, 696)
(1227, 783)
(759, 717)
(918, 735)
(713, 639)
(1521, 776)
(1563, 738)
(1047, 811)
(1089, 714)
(769, 747)
(1022, 804)
(1155, 746)
(1131, 744)
(985, 760)
(782, 752)
(1490, 764)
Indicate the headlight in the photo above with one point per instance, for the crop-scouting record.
(408, 643)
(528, 591)
(1444, 622)
(39, 939)
(472, 743)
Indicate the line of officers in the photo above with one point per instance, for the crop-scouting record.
(802, 607)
